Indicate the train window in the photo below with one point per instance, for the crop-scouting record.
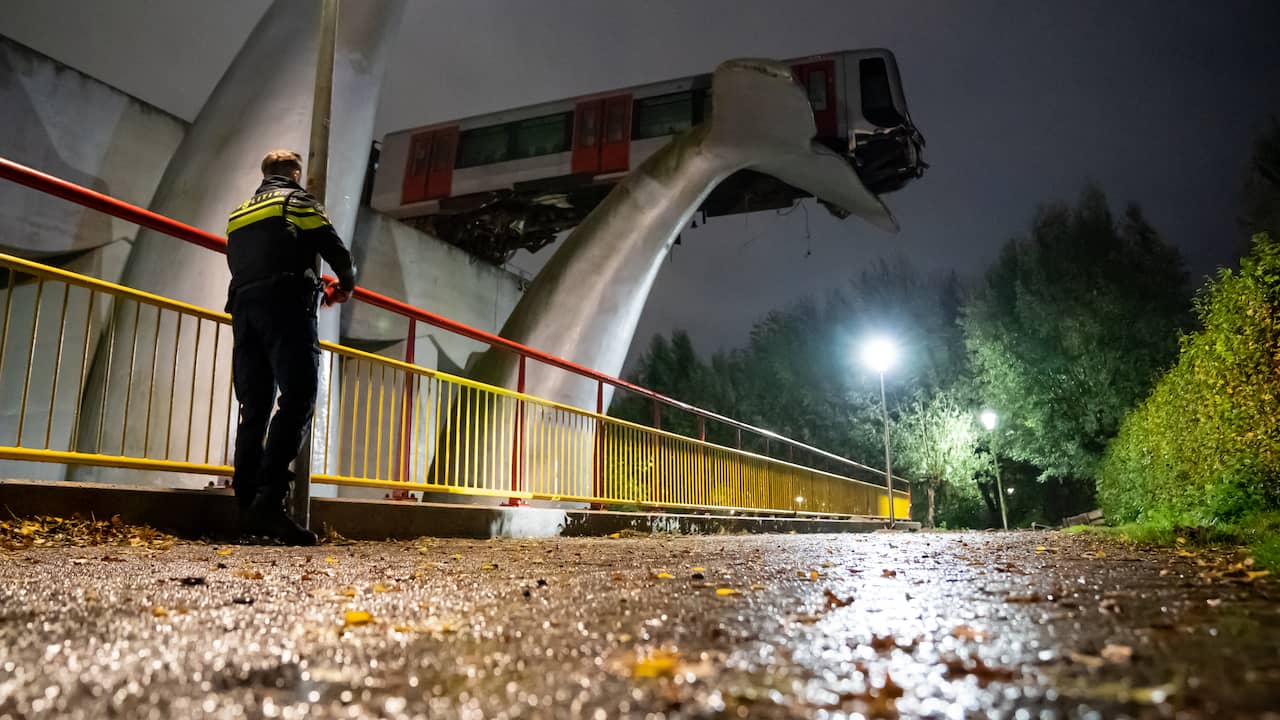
(662, 115)
(542, 136)
(817, 82)
(877, 95)
(483, 146)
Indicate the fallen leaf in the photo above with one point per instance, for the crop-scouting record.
(380, 588)
(347, 591)
(1213, 602)
(1117, 654)
(331, 559)
(1181, 541)
(615, 536)
(656, 664)
(1027, 597)
(967, 632)
(665, 576)
(1089, 661)
(697, 569)
(1185, 554)
(159, 611)
(757, 587)
(835, 601)
(724, 592)
(224, 551)
(455, 556)
(1255, 574)
(248, 574)
(488, 567)
(355, 618)
(889, 573)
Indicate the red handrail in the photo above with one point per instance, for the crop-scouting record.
(79, 195)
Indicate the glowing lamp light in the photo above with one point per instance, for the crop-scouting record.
(879, 354)
(799, 499)
(989, 419)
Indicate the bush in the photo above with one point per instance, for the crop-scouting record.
(1204, 448)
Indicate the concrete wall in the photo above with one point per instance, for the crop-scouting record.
(65, 123)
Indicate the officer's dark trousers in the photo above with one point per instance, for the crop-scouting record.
(276, 347)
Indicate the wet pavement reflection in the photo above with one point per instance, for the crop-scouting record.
(949, 625)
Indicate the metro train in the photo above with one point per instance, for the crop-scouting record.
(496, 183)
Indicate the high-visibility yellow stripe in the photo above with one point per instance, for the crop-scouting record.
(256, 203)
(294, 210)
(308, 222)
(263, 213)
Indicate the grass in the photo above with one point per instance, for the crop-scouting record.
(1259, 532)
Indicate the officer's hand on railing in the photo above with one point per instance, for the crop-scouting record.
(335, 294)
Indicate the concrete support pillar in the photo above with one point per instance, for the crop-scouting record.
(262, 102)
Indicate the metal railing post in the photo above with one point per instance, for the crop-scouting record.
(517, 447)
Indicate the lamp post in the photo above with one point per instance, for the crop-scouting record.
(989, 421)
(879, 354)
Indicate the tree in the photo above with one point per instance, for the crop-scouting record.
(1070, 328)
(938, 445)
(1262, 184)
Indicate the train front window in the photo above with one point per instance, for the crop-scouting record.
(877, 94)
(817, 87)
(483, 146)
(544, 135)
(663, 115)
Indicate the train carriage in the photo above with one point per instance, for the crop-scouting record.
(496, 183)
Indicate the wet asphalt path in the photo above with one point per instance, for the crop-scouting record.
(1020, 625)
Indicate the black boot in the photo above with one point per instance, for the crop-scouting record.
(266, 516)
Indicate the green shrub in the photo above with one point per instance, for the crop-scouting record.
(1204, 448)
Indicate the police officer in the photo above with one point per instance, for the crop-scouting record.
(272, 242)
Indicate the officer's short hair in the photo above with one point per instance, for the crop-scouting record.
(281, 162)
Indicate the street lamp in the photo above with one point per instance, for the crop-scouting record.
(879, 354)
(989, 420)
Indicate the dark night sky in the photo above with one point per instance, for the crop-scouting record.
(1157, 101)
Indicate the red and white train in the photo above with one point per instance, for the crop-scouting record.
(495, 183)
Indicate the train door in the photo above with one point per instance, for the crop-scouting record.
(615, 143)
(819, 81)
(444, 149)
(416, 169)
(428, 172)
(602, 135)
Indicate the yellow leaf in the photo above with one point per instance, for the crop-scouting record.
(1184, 553)
(331, 559)
(380, 588)
(224, 551)
(347, 591)
(615, 536)
(1041, 548)
(696, 569)
(455, 556)
(665, 576)
(1255, 574)
(354, 618)
(657, 664)
(488, 567)
(248, 574)
(813, 575)
(1182, 541)
(723, 592)
(159, 611)
(757, 587)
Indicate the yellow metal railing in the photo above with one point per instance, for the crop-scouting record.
(107, 376)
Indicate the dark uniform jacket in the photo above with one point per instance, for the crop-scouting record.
(273, 239)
